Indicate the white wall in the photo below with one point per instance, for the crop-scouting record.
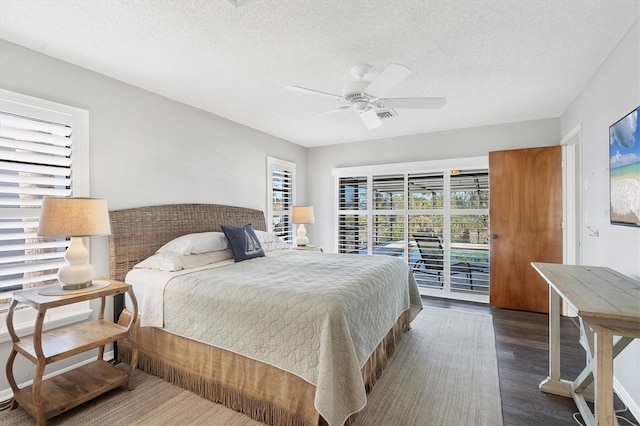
(611, 93)
(146, 149)
(470, 142)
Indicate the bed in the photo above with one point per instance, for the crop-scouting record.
(289, 338)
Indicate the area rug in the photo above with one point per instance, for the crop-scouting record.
(444, 372)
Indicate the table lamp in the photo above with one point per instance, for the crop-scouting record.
(75, 218)
(301, 215)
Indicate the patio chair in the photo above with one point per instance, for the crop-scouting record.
(432, 258)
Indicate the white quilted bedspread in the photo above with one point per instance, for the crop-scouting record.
(316, 315)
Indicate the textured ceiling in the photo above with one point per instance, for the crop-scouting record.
(494, 61)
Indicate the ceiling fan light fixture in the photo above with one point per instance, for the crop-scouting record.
(361, 106)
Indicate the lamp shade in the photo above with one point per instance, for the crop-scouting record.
(74, 217)
(302, 214)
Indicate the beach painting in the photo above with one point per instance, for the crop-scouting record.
(624, 170)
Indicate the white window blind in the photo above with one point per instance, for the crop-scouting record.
(36, 147)
(353, 215)
(280, 181)
(469, 229)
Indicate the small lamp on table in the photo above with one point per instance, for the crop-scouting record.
(302, 215)
(75, 218)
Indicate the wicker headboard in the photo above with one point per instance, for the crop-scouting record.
(138, 232)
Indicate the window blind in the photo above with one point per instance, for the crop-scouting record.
(36, 161)
(469, 229)
(426, 225)
(352, 215)
(281, 199)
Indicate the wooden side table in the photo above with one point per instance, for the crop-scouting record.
(47, 398)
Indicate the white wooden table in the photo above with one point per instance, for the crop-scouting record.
(608, 304)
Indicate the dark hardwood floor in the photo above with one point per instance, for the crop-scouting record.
(522, 350)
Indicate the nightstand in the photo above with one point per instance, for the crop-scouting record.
(47, 398)
(308, 248)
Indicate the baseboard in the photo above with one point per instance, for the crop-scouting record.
(624, 396)
(7, 394)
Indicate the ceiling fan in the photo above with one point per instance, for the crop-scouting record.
(366, 97)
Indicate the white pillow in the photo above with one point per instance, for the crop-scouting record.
(271, 242)
(202, 242)
(174, 261)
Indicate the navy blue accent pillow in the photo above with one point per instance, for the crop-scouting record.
(243, 241)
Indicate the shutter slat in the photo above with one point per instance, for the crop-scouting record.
(26, 157)
(17, 236)
(20, 213)
(35, 168)
(33, 136)
(34, 246)
(55, 192)
(35, 147)
(20, 203)
(22, 224)
(15, 121)
(27, 280)
(31, 267)
(32, 257)
(34, 180)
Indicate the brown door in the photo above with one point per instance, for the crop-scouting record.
(525, 213)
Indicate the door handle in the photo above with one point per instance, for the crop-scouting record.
(494, 236)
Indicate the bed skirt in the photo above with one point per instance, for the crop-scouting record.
(259, 390)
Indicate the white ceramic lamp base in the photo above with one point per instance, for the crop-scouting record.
(301, 239)
(78, 272)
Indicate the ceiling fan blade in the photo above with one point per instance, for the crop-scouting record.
(315, 92)
(331, 111)
(370, 119)
(388, 79)
(412, 103)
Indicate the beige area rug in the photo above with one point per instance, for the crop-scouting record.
(444, 372)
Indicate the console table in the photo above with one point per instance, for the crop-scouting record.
(608, 304)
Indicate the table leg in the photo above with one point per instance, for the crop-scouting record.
(604, 412)
(11, 378)
(553, 384)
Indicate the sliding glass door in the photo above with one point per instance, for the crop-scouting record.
(437, 220)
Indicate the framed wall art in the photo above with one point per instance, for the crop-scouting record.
(624, 170)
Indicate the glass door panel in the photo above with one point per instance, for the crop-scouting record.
(388, 235)
(469, 231)
(426, 255)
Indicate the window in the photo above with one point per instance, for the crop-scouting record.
(44, 153)
(352, 228)
(280, 194)
(432, 214)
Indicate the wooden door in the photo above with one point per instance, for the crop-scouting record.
(525, 213)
